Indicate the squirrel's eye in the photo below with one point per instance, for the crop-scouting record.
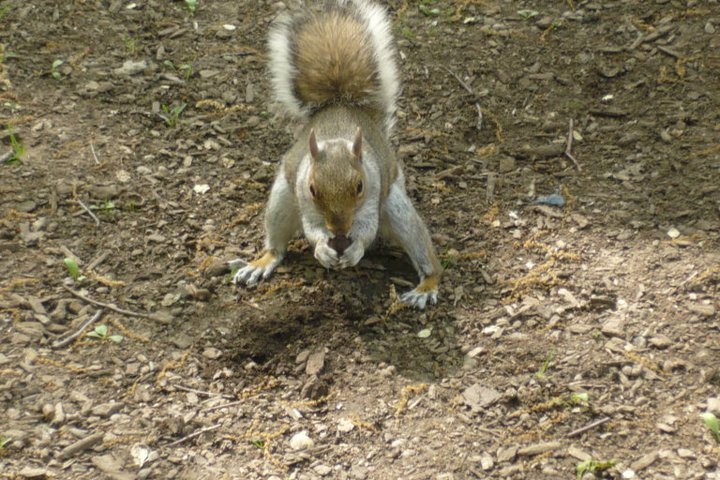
(359, 187)
(312, 190)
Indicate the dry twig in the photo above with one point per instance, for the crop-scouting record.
(194, 434)
(62, 342)
(85, 207)
(568, 148)
(587, 427)
(470, 90)
(109, 306)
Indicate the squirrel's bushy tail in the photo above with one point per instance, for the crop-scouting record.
(343, 54)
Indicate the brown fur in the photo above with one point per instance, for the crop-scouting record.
(335, 61)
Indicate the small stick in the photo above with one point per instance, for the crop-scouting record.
(194, 434)
(81, 445)
(200, 392)
(470, 90)
(97, 220)
(224, 405)
(7, 156)
(587, 427)
(568, 148)
(109, 306)
(92, 149)
(70, 338)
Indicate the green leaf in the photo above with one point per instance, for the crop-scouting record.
(73, 269)
(526, 14)
(4, 441)
(425, 333)
(116, 338)
(57, 63)
(580, 398)
(593, 466)
(94, 335)
(101, 330)
(711, 421)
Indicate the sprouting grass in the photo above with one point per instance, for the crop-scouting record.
(54, 72)
(191, 5)
(593, 466)
(172, 115)
(74, 270)
(712, 423)
(542, 371)
(18, 149)
(101, 333)
(185, 68)
(131, 45)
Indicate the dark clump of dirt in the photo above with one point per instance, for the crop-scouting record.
(565, 155)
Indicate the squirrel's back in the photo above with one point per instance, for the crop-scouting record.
(342, 55)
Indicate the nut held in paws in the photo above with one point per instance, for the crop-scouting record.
(339, 243)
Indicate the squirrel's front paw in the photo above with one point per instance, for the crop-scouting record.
(352, 255)
(252, 272)
(419, 296)
(327, 257)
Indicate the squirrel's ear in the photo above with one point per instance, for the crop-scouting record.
(312, 141)
(357, 144)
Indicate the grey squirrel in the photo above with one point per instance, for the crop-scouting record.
(340, 183)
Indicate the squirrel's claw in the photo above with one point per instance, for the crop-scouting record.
(417, 299)
(352, 255)
(258, 269)
(327, 257)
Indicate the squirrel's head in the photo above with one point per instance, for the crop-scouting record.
(337, 181)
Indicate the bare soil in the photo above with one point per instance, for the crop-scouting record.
(587, 331)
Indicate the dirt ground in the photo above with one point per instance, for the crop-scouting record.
(574, 340)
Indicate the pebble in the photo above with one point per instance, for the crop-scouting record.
(506, 454)
(709, 28)
(131, 67)
(660, 342)
(212, 353)
(613, 327)
(106, 409)
(301, 441)
(538, 448)
(713, 405)
(644, 461)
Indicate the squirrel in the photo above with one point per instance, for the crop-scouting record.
(335, 72)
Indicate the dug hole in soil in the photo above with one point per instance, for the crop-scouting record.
(566, 157)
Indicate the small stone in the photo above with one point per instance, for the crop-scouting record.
(613, 327)
(686, 453)
(507, 164)
(31, 472)
(212, 353)
(131, 67)
(322, 470)
(644, 461)
(345, 425)
(486, 462)
(478, 397)
(660, 342)
(709, 28)
(702, 309)
(301, 441)
(506, 454)
(538, 448)
(104, 410)
(713, 405)
(315, 362)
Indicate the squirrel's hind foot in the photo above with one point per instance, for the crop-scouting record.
(259, 269)
(426, 291)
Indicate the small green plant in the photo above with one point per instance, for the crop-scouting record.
(105, 206)
(582, 399)
(528, 14)
(4, 441)
(74, 270)
(4, 9)
(18, 149)
(54, 72)
(191, 5)
(258, 443)
(185, 68)
(101, 333)
(131, 45)
(712, 423)
(593, 466)
(171, 116)
(429, 11)
(542, 371)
